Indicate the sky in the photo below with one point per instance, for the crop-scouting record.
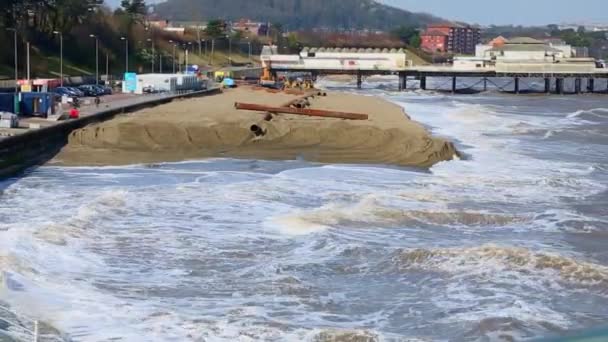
(517, 12)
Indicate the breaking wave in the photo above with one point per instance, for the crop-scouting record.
(488, 259)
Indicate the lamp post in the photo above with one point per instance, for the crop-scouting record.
(153, 53)
(96, 58)
(229, 49)
(60, 34)
(212, 52)
(174, 45)
(126, 53)
(16, 60)
(249, 45)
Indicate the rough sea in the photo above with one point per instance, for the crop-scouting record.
(507, 243)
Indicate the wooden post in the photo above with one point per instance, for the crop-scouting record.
(404, 82)
(516, 85)
(547, 85)
(400, 81)
(591, 85)
(453, 84)
(359, 80)
(423, 82)
(577, 85)
(485, 84)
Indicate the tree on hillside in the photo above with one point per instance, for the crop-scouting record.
(136, 9)
(215, 28)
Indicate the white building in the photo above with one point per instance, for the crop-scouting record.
(524, 49)
(337, 59)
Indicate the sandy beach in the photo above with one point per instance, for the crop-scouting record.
(212, 127)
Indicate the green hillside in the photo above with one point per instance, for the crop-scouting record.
(297, 14)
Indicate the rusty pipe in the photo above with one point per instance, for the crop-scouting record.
(297, 111)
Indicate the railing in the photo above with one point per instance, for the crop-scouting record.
(23, 328)
(26, 328)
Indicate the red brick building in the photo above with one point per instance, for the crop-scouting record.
(452, 38)
(434, 41)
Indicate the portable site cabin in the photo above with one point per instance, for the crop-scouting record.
(167, 83)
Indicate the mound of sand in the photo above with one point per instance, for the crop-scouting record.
(211, 127)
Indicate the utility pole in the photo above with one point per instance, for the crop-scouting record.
(60, 56)
(160, 62)
(96, 58)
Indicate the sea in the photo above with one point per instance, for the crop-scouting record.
(508, 242)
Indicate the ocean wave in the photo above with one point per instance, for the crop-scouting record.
(370, 210)
(492, 258)
(107, 203)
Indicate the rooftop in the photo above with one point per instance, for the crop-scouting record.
(524, 40)
(434, 33)
(352, 50)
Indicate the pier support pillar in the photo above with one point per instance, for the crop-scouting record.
(453, 84)
(591, 85)
(423, 82)
(578, 85)
(485, 84)
(559, 86)
(400, 81)
(547, 85)
(516, 85)
(359, 80)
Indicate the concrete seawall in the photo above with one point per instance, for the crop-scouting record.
(35, 147)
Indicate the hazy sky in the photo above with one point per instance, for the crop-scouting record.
(524, 12)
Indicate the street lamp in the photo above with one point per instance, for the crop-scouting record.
(16, 60)
(126, 53)
(153, 53)
(60, 55)
(96, 58)
(229, 49)
(174, 45)
(249, 45)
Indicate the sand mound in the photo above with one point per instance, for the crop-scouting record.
(211, 127)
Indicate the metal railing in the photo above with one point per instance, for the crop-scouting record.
(25, 328)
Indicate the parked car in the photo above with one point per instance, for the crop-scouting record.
(104, 89)
(76, 91)
(90, 90)
(64, 91)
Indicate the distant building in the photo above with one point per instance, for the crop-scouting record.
(247, 27)
(161, 24)
(450, 37)
(524, 49)
(434, 41)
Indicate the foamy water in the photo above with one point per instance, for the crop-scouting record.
(507, 242)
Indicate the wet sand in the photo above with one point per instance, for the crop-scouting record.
(211, 127)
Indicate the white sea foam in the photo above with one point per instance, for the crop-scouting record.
(210, 250)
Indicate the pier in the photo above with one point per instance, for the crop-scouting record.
(362, 63)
